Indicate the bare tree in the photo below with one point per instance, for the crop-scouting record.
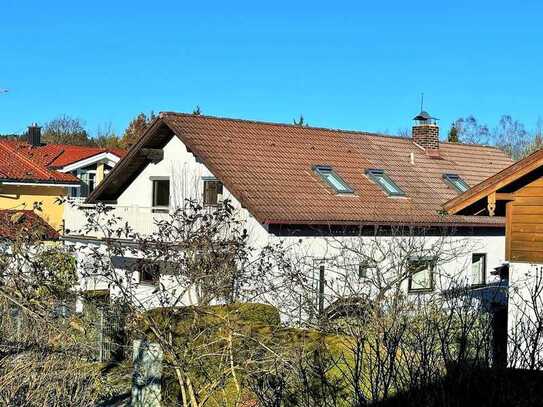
(66, 130)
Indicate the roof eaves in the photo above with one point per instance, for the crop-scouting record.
(130, 154)
(493, 183)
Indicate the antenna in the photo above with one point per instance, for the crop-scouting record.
(421, 101)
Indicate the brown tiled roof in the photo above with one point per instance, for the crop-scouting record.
(268, 167)
(26, 224)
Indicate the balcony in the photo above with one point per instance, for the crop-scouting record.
(142, 220)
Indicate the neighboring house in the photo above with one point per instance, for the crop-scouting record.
(517, 193)
(34, 173)
(298, 183)
(25, 224)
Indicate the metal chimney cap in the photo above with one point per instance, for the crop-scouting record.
(424, 115)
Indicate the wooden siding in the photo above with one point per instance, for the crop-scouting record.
(524, 224)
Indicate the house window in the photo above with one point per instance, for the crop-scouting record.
(149, 272)
(362, 270)
(456, 182)
(478, 269)
(161, 195)
(384, 181)
(88, 183)
(332, 179)
(212, 192)
(421, 276)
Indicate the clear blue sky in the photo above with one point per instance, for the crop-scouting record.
(355, 65)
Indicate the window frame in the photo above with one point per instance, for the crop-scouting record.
(431, 266)
(207, 180)
(375, 173)
(323, 170)
(451, 179)
(142, 266)
(160, 208)
(482, 256)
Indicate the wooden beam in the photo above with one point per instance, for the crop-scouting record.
(155, 155)
(501, 196)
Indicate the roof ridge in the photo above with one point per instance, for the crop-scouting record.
(288, 125)
(28, 161)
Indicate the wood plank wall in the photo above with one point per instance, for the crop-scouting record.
(524, 224)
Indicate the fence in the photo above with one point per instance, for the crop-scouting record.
(99, 330)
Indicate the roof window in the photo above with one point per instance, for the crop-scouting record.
(384, 181)
(332, 179)
(456, 182)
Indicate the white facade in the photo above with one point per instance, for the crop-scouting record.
(525, 315)
(186, 180)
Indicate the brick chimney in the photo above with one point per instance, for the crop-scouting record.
(33, 136)
(425, 133)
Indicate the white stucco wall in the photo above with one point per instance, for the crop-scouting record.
(525, 315)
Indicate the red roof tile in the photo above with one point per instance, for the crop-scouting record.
(268, 167)
(24, 224)
(20, 161)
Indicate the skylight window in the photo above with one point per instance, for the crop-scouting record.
(456, 182)
(332, 179)
(384, 182)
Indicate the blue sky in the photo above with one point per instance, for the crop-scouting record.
(354, 65)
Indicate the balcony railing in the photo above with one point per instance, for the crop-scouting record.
(141, 219)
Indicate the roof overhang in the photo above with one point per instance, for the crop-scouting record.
(157, 135)
(108, 157)
(492, 185)
(40, 184)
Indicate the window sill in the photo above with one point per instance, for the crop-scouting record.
(420, 291)
(164, 209)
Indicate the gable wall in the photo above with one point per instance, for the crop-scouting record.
(525, 224)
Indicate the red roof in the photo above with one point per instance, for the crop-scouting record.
(24, 224)
(268, 168)
(22, 162)
(70, 154)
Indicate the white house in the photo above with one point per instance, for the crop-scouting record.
(328, 189)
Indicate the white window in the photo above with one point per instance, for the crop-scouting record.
(421, 276)
(478, 269)
(161, 195)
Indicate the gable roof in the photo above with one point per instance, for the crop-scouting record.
(496, 182)
(268, 168)
(25, 224)
(21, 162)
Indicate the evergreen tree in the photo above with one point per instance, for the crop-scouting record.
(453, 134)
(300, 122)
